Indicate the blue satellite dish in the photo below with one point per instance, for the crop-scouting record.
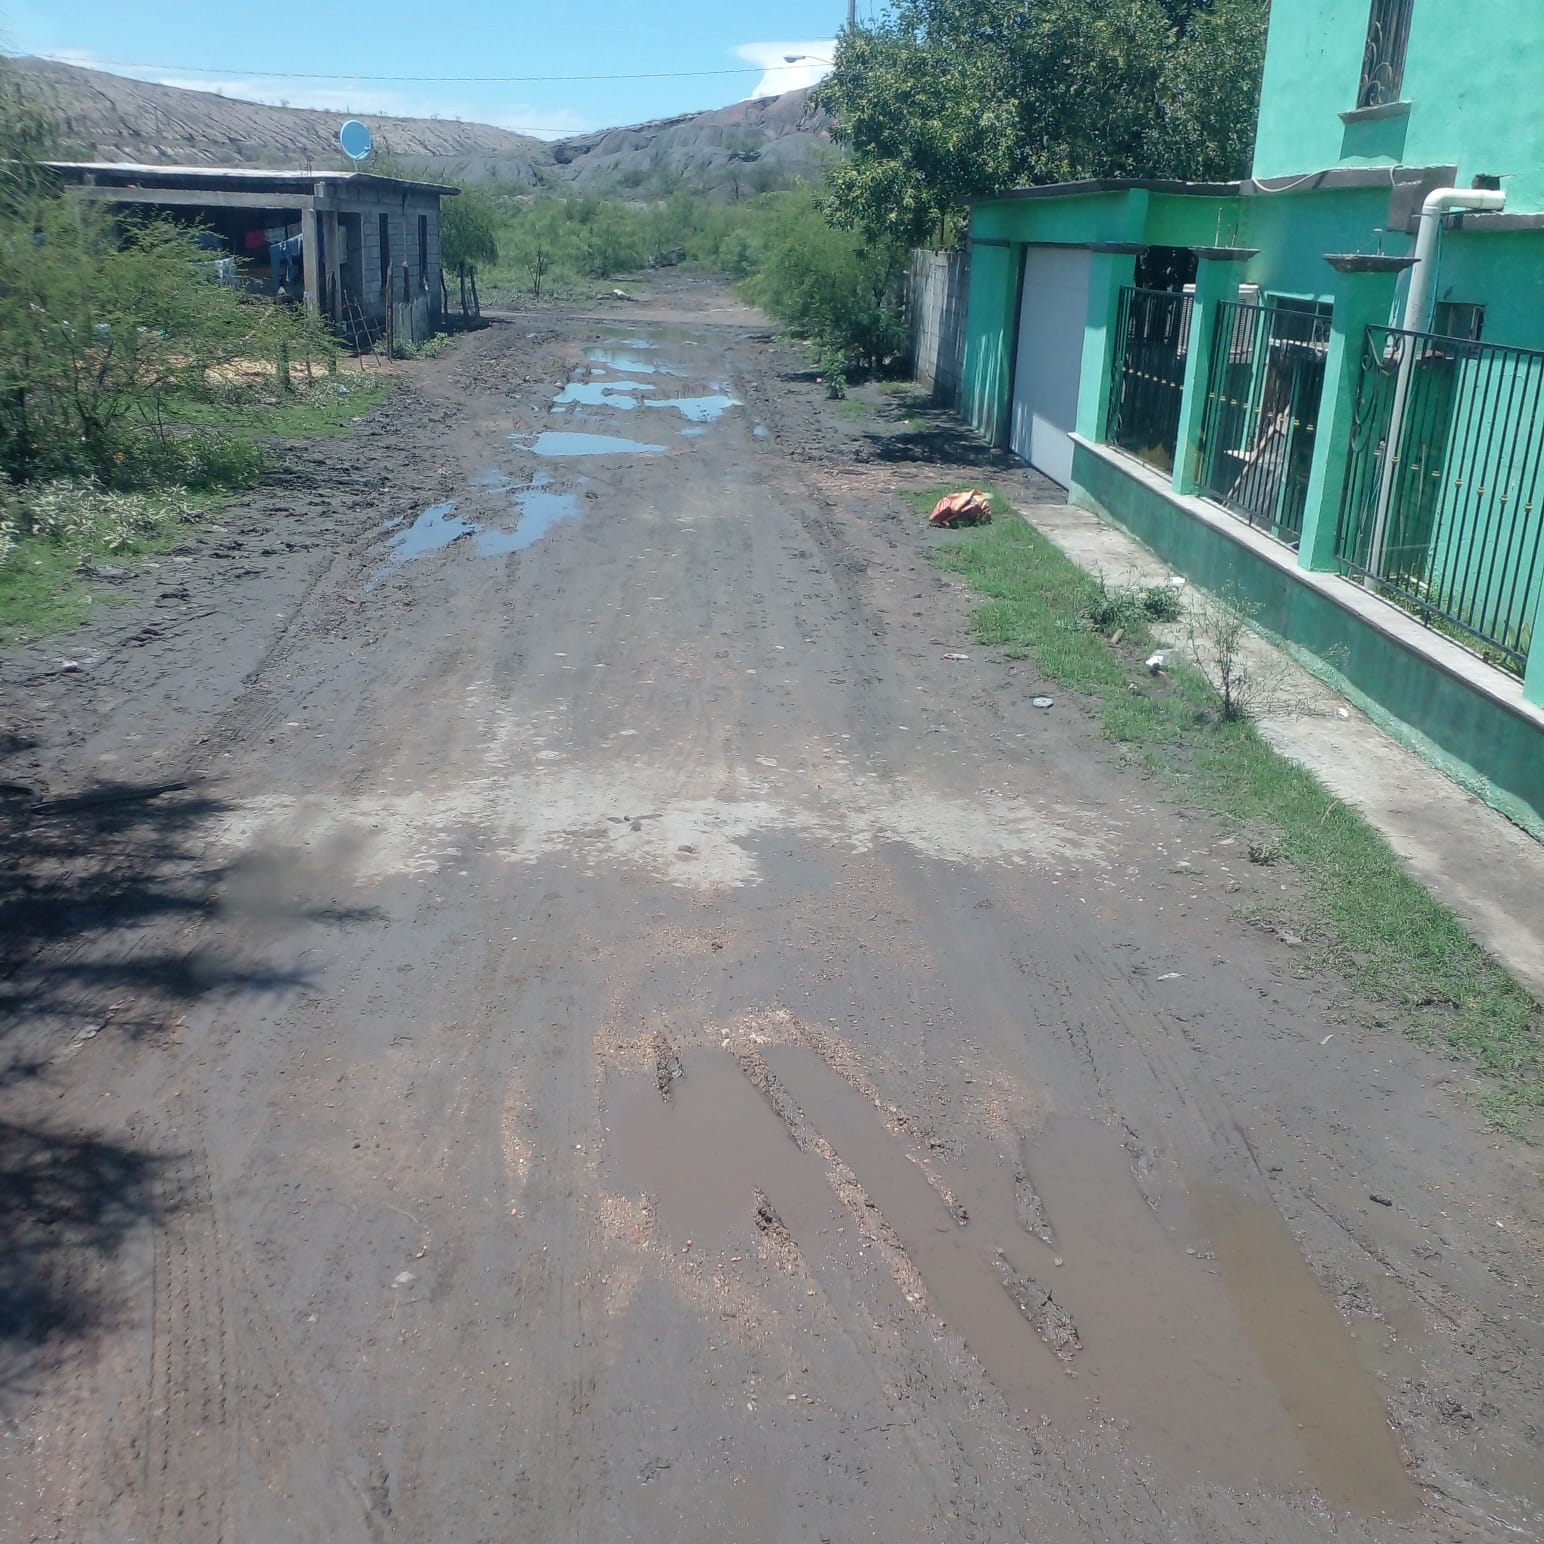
(355, 139)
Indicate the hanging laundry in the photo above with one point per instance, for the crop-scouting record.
(285, 258)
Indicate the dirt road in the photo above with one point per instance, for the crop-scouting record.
(621, 1036)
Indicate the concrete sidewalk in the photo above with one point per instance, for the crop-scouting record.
(1489, 871)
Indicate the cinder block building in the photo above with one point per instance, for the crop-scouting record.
(341, 242)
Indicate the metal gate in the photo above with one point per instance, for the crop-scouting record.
(1147, 383)
(1262, 412)
(1441, 509)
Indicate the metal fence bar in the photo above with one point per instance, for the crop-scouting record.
(1261, 414)
(1441, 512)
(1147, 381)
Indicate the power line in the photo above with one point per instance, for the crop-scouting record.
(440, 80)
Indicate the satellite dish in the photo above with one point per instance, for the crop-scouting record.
(355, 139)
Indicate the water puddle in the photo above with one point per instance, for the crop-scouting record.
(493, 480)
(1225, 1360)
(393, 524)
(618, 394)
(627, 357)
(704, 1155)
(699, 410)
(762, 432)
(554, 442)
(963, 1277)
(1307, 1353)
(539, 512)
(436, 528)
(691, 432)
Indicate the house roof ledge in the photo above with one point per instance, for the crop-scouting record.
(1110, 185)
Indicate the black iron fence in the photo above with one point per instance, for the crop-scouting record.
(1441, 509)
(1147, 383)
(1262, 412)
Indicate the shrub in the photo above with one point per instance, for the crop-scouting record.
(841, 290)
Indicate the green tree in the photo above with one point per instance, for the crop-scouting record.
(839, 288)
(469, 230)
(945, 99)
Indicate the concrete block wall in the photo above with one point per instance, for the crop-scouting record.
(402, 238)
(938, 285)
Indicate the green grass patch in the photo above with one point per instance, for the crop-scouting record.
(1405, 953)
(54, 536)
(317, 410)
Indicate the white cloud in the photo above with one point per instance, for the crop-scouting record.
(777, 74)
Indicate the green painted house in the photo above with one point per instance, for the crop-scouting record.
(1323, 386)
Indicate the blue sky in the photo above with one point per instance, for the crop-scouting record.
(210, 46)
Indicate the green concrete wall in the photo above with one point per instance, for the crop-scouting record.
(1475, 740)
(1313, 62)
(990, 329)
(1294, 230)
(1502, 271)
(1472, 77)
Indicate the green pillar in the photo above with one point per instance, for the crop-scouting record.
(1533, 679)
(1364, 297)
(1217, 276)
(1112, 265)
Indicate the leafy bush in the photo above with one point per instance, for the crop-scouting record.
(1161, 603)
(469, 225)
(102, 335)
(86, 519)
(840, 289)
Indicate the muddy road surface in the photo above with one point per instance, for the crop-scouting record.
(545, 1004)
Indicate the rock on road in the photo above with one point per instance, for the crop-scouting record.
(625, 1036)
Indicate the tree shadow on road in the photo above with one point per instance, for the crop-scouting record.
(943, 439)
(104, 897)
(101, 893)
(69, 1203)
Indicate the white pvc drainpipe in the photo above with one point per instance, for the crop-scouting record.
(1423, 281)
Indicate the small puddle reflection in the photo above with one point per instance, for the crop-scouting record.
(704, 1155)
(627, 356)
(618, 394)
(539, 512)
(437, 527)
(1307, 1353)
(699, 410)
(555, 442)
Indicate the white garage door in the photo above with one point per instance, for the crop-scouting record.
(1050, 358)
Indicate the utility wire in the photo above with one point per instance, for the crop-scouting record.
(445, 80)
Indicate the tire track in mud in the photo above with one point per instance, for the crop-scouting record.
(899, 1368)
(189, 1449)
(231, 1390)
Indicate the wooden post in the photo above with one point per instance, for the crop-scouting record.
(476, 303)
(391, 321)
(462, 271)
(282, 373)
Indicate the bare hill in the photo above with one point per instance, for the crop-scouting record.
(728, 152)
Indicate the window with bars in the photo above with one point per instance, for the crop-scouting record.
(1383, 60)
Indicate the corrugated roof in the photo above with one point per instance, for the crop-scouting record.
(212, 174)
